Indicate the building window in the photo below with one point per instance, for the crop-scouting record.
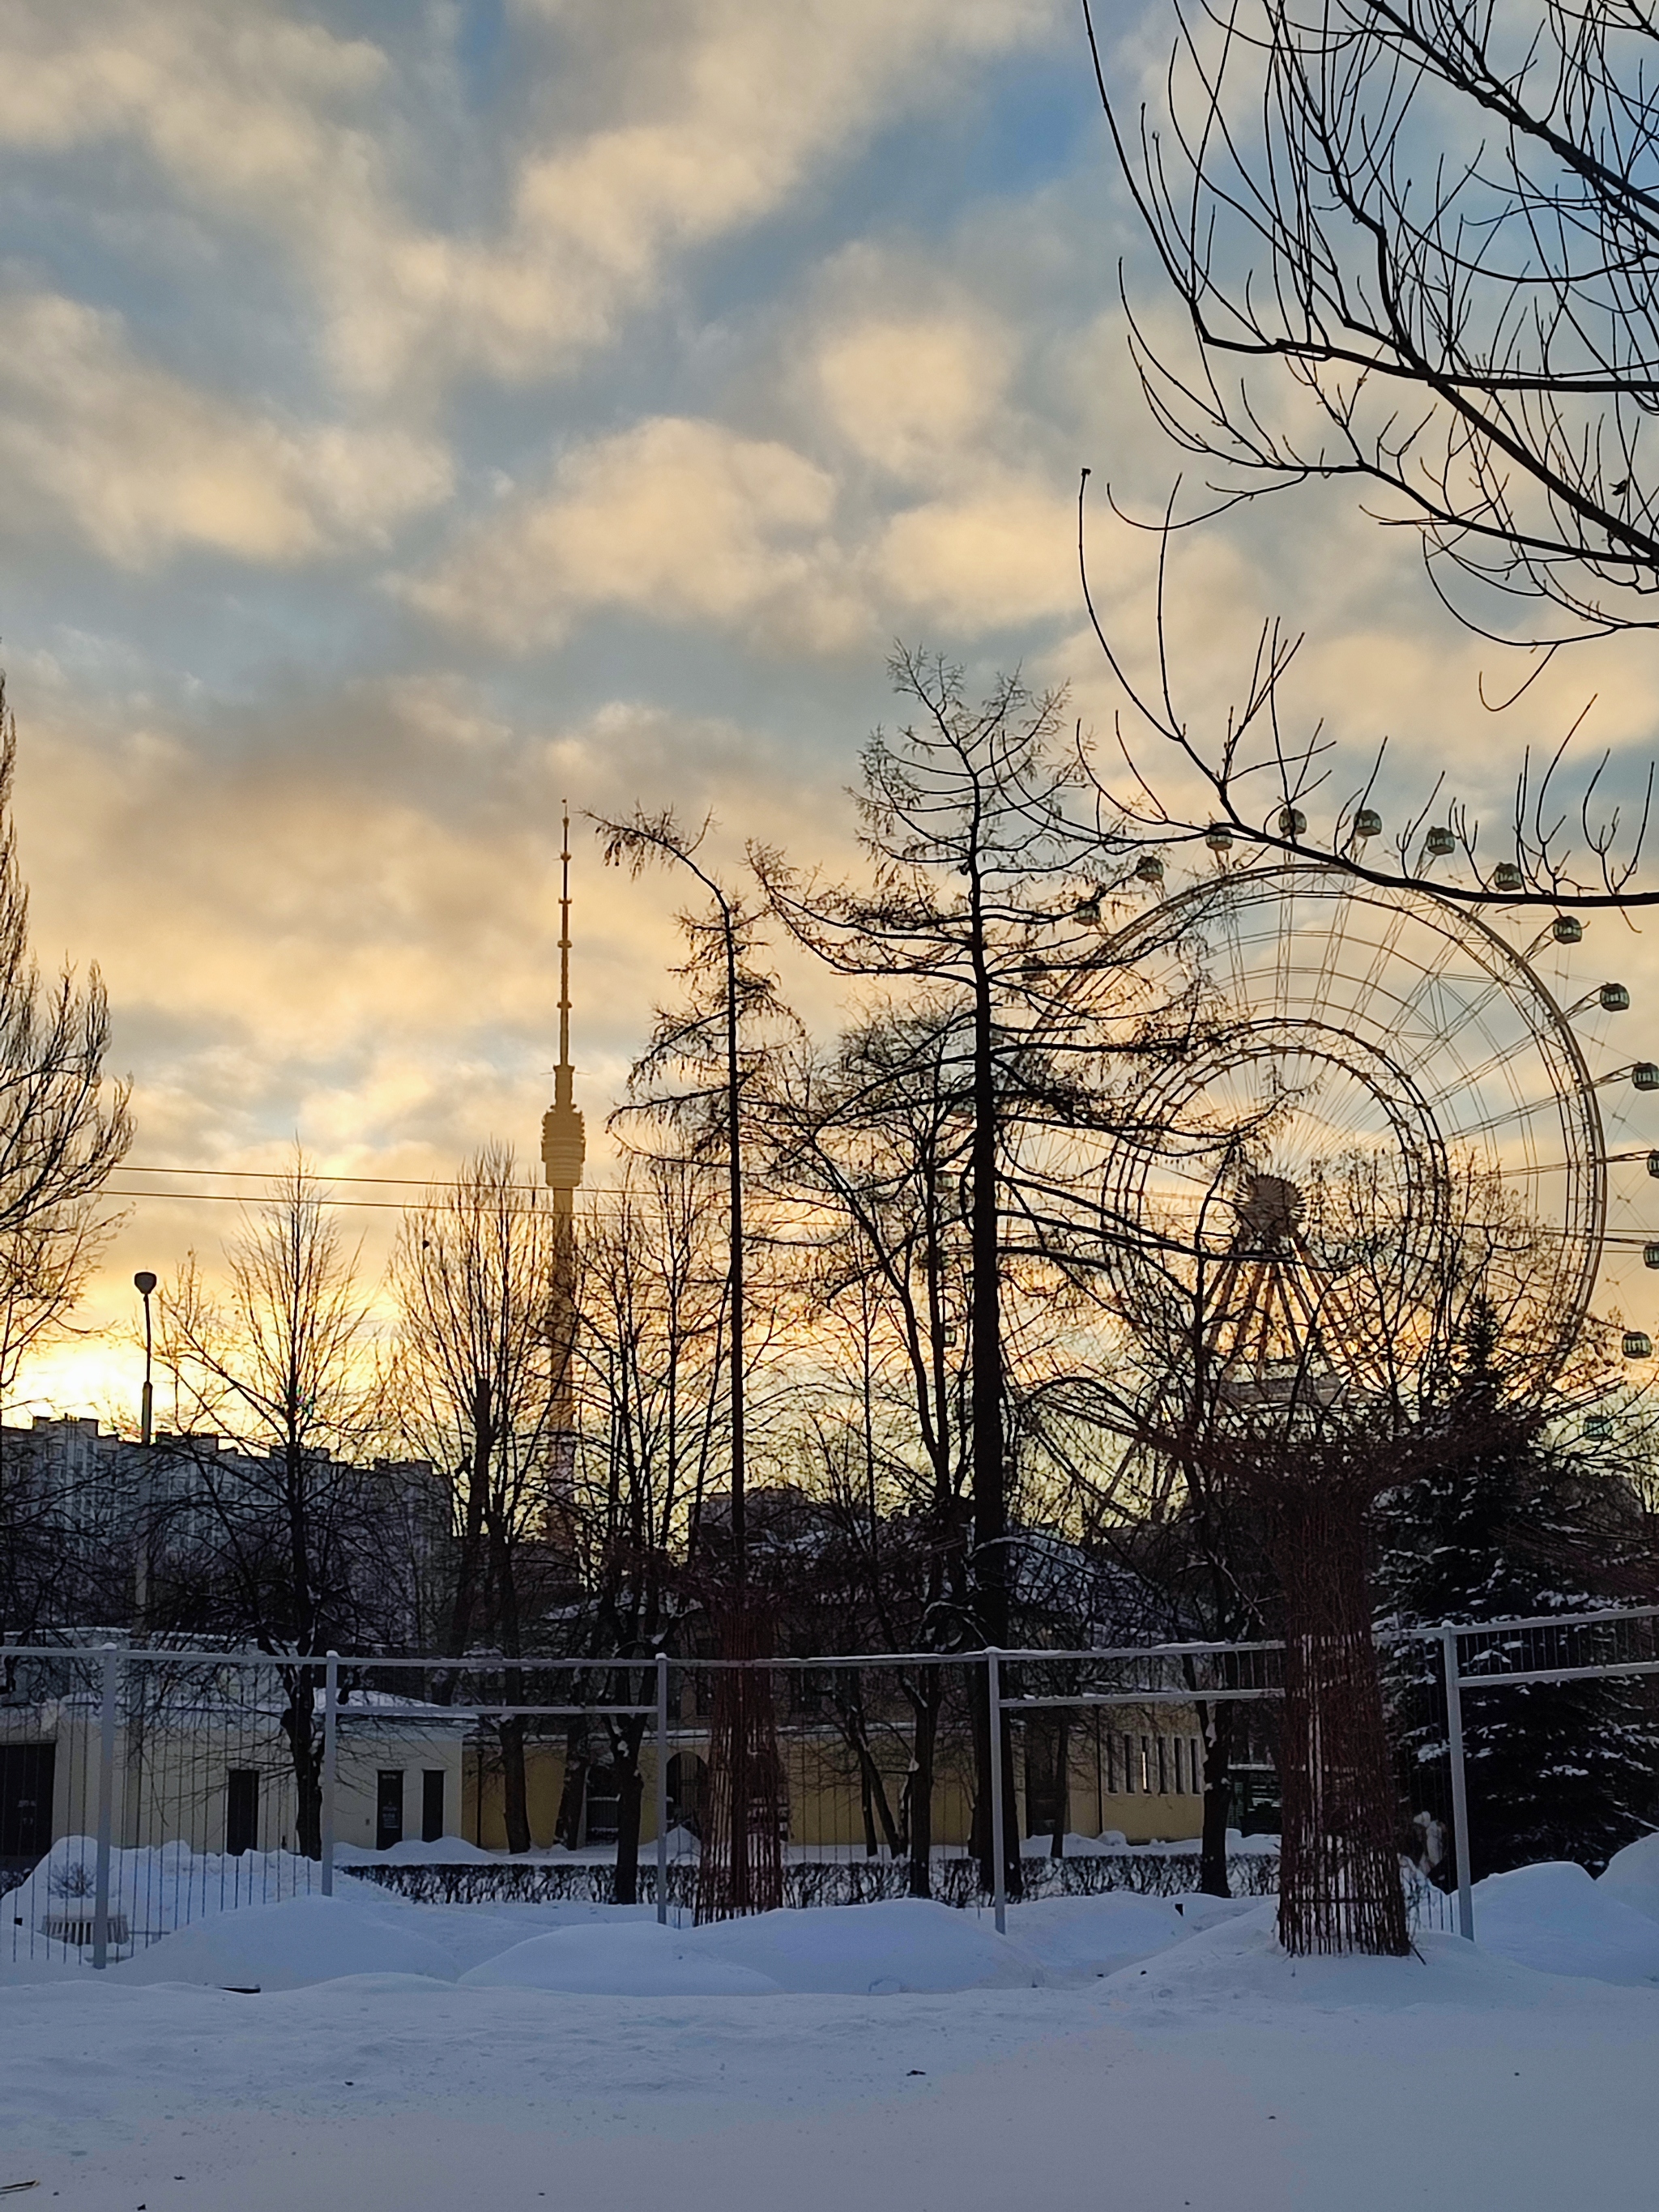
(389, 1808)
(241, 1811)
(1163, 1765)
(432, 1804)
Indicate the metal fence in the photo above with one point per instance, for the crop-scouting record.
(143, 1789)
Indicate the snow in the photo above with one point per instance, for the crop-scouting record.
(1111, 1842)
(1074, 1938)
(874, 1950)
(633, 1960)
(284, 1947)
(1158, 2052)
(1632, 1875)
(447, 1851)
(1555, 1918)
(456, 1851)
(1214, 2071)
(154, 1890)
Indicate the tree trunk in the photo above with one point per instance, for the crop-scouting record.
(515, 1797)
(468, 1567)
(568, 1828)
(873, 1802)
(1217, 1721)
(981, 1846)
(919, 1784)
(631, 1798)
(299, 1726)
(741, 1866)
(1062, 1784)
(1340, 1882)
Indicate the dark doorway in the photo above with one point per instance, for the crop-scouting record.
(687, 1781)
(25, 1775)
(1048, 1757)
(432, 1804)
(241, 1811)
(604, 1805)
(389, 1808)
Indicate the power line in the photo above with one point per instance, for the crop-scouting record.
(274, 1175)
(318, 1186)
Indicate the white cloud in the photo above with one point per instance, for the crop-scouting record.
(1001, 554)
(710, 119)
(138, 463)
(675, 519)
(910, 393)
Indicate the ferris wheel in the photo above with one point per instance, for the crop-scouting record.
(1353, 1079)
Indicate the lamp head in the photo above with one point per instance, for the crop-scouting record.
(143, 1282)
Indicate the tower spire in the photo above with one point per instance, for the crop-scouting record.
(564, 949)
(564, 1146)
(564, 1149)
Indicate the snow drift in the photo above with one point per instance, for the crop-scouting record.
(635, 1958)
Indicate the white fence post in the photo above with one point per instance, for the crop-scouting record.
(662, 1787)
(106, 1806)
(1460, 1795)
(994, 1716)
(330, 1722)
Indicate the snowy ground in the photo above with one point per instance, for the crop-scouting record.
(1110, 2052)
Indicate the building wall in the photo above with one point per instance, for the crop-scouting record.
(173, 1784)
(1127, 1777)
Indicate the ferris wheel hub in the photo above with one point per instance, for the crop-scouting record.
(1270, 1207)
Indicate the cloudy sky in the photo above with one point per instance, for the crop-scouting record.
(415, 412)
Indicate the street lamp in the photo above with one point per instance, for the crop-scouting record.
(143, 1282)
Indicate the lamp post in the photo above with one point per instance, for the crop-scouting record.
(144, 1282)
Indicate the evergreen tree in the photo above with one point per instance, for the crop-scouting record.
(1503, 1520)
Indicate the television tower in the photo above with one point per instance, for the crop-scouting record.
(564, 1149)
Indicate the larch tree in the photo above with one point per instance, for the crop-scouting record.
(478, 1369)
(279, 1359)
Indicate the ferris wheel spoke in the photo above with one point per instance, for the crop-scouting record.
(1397, 1042)
(1383, 953)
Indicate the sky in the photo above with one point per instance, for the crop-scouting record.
(415, 416)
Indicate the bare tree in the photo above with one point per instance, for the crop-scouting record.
(983, 919)
(1414, 245)
(872, 1153)
(474, 1274)
(651, 1353)
(706, 1075)
(1436, 226)
(63, 1128)
(280, 1360)
(1265, 780)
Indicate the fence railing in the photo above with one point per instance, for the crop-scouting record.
(144, 1788)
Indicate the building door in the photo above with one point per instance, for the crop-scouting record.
(241, 1811)
(1048, 1760)
(603, 1809)
(26, 1776)
(389, 1808)
(432, 1804)
(687, 1789)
